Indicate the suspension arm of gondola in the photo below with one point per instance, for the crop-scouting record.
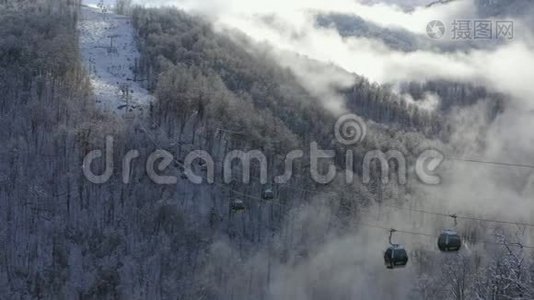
(391, 231)
(455, 218)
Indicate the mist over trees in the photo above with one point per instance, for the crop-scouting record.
(63, 237)
(123, 7)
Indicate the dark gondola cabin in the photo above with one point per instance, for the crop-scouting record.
(395, 257)
(449, 241)
(237, 205)
(268, 194)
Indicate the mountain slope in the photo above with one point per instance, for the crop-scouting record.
(110, 55)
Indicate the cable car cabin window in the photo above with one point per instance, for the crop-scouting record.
(449, 241)
(395, 257)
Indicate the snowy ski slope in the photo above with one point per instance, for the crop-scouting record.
(109, 52)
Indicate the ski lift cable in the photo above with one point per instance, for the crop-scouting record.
(288, 186)
(467, 160)
(398, 208)
(392, 229)
(285, 185)
(494, 163)
(216, 183)
(487, 220)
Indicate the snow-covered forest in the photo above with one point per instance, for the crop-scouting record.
(74, 72)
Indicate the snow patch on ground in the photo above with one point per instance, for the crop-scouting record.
(109, 52)
(95, 3)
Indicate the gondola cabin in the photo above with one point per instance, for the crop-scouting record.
(237, 205)
(395, 257)
(449, 241)
(268, 194)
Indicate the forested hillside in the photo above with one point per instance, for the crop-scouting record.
(188, 47)
(66, 236)
(63, 237)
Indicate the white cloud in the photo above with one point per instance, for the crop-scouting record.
(430, 102)
(288, 26)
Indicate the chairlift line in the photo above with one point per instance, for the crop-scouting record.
(288, 186)
(395, 255)
(389, 229)
(433, 236)
(487, 220)
(494, 163)
(176, 161)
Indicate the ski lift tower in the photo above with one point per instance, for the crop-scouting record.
(111, 48)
